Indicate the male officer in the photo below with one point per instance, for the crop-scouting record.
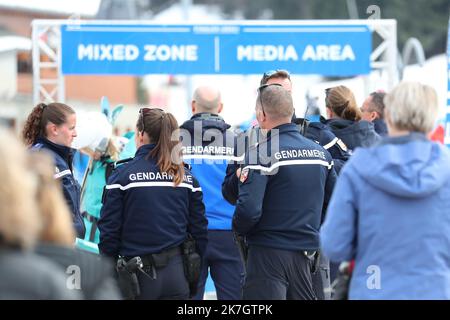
(315, 131)
(284, 186)
(373, 111)
(207, 146)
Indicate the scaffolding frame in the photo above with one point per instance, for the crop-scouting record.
(46, 48)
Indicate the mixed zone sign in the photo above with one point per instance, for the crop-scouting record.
(138, 49)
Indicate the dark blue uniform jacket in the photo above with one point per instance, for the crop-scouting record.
(144, 213)
(380, 127)
(353, 133)
(282, 197)
(322, 134)
(318, 132)
(63, 157)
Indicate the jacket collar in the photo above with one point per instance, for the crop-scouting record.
(286, 127)
(207, 120)
(145, 149)
(380, 126)
(413, 136)
(282, 128)
(63, 151)
(206, 116)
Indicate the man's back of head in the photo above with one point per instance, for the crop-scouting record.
(275, 106)
(206, 99)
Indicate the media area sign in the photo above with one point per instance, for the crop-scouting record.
(138, 49)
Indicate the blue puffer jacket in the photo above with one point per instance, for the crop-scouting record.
(210, 147)
(63, 157)
(390, 212)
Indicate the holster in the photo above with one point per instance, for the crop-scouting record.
(242, 246)
(127, 277)
(316, 264)
(192, 265)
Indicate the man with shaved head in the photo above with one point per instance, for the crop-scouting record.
(207, 99)
(315, 131)
(208, 146)
(284, 188)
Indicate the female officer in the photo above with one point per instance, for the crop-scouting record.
(344, 119)
(51, 127)
(151, 203)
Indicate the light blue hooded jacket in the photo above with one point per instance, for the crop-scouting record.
(390, 211)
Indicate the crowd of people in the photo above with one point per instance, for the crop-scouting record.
(269, 213)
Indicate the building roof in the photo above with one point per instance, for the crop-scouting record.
(8, 43)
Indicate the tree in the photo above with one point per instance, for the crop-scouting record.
(425, 20)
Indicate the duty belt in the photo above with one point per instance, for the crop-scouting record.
(160, 260)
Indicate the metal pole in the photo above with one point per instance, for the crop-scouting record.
(186, 8)
(61, 85)
(36, 63)
(391, 53)
(186, 5)
(352, 9)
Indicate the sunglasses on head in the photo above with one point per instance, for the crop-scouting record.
(270, 73)
(144, 111)
(261, 89)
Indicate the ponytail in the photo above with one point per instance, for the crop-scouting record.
(343, 104)
(33, 129)
(160, 127)
(351, 113)
(36, 123)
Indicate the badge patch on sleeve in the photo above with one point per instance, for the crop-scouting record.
(244, 175)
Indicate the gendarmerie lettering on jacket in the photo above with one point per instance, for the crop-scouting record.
(301, 153)
(217, 150)
(153, 179)
(156, 176)
(269, 155)
(197, 154)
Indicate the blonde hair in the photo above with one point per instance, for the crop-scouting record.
(342, 102)
(412, 106)
(56, 217)
(112, 150)
(20, 223)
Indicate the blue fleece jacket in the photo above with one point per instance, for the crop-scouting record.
(390, 212)
(208, 146)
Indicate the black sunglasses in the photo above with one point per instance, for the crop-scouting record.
(261, 89)
(270, 73)
(144, 111)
